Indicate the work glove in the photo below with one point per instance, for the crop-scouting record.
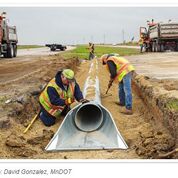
(84, 101)
(68, 101)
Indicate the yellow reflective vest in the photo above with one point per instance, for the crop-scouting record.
(123, 67)
(45, 101)
(140, 42)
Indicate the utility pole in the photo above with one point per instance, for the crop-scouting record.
(123, 38)
(104, 38)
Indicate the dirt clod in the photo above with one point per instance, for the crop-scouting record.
(14, 140)
(4, 123)
(42, 139)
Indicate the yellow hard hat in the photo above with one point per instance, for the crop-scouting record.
(68, 73)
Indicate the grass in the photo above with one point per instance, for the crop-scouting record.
(28, 46)
(173, 105)
(3, 99)
(82, 52)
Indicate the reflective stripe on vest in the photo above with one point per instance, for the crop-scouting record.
(123, 67)
(45, 101)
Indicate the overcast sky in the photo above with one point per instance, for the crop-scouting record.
(75, 25)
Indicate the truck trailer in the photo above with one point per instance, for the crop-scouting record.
(159, 37)
(8, 38)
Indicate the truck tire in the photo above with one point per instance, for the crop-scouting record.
(162, 48)
(10, 51)
(176, 48)
(153, 47)
(158, 47)
(53, 48)
(62, 49)
(15, 50)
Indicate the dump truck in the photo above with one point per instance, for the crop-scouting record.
(54, 47)
(159, 37)
(8, 38)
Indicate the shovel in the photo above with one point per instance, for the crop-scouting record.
(107, 94)
(32, 121)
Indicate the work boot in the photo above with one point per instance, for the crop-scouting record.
(127, 111)
(119, 103)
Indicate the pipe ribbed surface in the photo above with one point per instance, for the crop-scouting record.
(91, 87)
(89, 116)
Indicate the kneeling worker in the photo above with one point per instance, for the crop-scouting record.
(58, 95)
(121, 71)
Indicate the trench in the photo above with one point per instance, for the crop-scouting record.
(156, 119)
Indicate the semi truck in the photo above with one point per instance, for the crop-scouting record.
(8, 38)
(159, 37)
(54, 47)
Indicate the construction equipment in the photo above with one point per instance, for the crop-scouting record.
(32, 121)
(159, 37)
(88, 126)
(8, 38)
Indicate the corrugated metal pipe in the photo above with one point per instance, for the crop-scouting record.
(89, 116)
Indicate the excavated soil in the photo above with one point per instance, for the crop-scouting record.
(20, 83)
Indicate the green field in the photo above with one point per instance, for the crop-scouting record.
(82, 52)
(28, 46)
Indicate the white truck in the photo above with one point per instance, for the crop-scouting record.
(8, 38)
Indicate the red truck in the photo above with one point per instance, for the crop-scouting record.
(8, 38)
(159, 37)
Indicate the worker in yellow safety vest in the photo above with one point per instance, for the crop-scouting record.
(58, 95)
(91, 51)
(120, 71)
(141, 43)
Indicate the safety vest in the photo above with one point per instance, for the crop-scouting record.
(45, 101)
(123, 67)
(141, 41)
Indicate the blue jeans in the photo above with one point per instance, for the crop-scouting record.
(91, 56)
(125, 91)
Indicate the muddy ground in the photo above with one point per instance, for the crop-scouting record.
(20, 82)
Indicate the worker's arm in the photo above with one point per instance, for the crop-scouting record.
(54, 97)
(77, 93)
(112, 69)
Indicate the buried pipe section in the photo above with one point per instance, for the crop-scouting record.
(88, 126)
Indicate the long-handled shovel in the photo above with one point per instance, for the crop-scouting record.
(32, 121)
(109, 86)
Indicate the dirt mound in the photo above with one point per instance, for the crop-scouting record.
(18, 147)
(151, 145)
(162, 103)
(42, 139)
(19, 103)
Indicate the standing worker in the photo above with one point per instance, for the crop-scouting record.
(121, 71)
(141, 43)
(58, 95)
(91, 51)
